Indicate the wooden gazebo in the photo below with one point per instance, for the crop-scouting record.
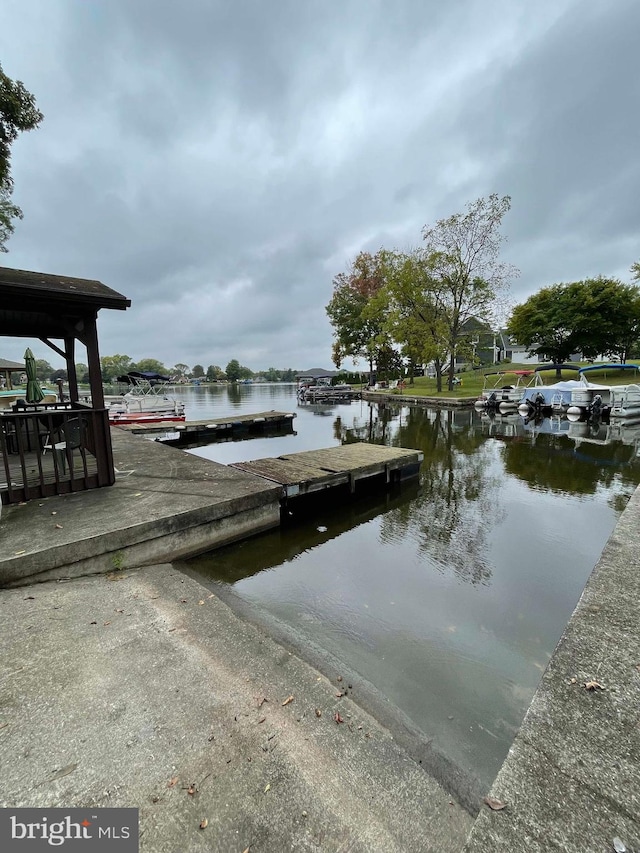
(6, 369)
(56, 447)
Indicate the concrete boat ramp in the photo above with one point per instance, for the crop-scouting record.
(139, 687)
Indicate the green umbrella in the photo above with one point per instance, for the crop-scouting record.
(34, 391)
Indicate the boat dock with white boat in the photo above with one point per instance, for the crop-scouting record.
(318, 389)
(540, 399)
(500, 394)
(614, 401)
(146, 400)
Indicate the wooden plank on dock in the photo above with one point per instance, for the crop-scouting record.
(287, 472)
(208, 427)
(352, 456)
(313, 470)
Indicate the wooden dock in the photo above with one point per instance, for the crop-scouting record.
(314, 470)
(211, 429)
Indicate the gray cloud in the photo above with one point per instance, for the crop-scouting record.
(220, 162)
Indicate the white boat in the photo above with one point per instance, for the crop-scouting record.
(500, 394)
(625, 401)
(319, 388)
(548, 399)
(146, 398)
(539, 399)
(619, 401)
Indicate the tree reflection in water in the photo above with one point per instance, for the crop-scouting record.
(450, 593)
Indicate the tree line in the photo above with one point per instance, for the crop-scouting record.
(400, 310)
(113, 366)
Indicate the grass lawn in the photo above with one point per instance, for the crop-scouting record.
(473, 381)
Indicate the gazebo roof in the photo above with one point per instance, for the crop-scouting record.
(36, 304)
(10, 366)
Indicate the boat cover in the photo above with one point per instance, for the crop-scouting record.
(134, 376)
(550, 391)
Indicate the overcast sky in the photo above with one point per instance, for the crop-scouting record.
(219, 161)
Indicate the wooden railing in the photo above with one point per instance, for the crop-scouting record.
(53, 449)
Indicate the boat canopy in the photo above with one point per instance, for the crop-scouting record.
(611, 366)
(136, 376)
(564, 366)
(509, 373)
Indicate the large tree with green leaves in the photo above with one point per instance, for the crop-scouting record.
(544, 324)
(358, 327)
(214, 372)
(113, 366)
(18, 113)
(464, 256)
(413, 315)
(43, 370)
(236, 371)
(150, 365)
(599, 316)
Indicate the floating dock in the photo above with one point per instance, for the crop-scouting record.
(212, 429)
(314, 470)
(330, 395)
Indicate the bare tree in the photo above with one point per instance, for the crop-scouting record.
(464, 252)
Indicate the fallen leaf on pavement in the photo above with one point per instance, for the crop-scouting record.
(201, 601)
(58, 527)
(318, 712)
(64, 772)
(172, 782)
(338, 718)
(593, 685)
(267, 788)
(287, 700)
(495, 805)
(204, 823)
(192, 789)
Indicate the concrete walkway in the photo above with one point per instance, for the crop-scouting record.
(165, 504)
(134, 688)
(143, 689)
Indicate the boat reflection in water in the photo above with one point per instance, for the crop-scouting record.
(626, 432)
(501, 424)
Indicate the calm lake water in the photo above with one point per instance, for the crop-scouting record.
(448, 596)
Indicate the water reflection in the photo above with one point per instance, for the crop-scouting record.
(451, 596)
